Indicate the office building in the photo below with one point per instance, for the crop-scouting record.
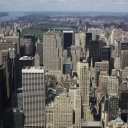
(117, 63)
(102, 66)
(124, 59)
(32, 38)
(33, 96)
(8, 72)
(39, 50)
(84, 86)
(77, 39)
(124, 101)
(75, 55)
(113, 107)
(50, 115)
(102, 84)
(36, 60)
(26, 47)
(95, 32)
(63, 111)
(94, 51)
(67, 67)
(106, 53)
(10, 42)
(67, 39)
(3, 89)
(125, 73)
(23, 62)
(75, 99)
(124, 45)
(88, 39)
(113, 85)
(13, 118)
(52, 52)
(80, 40)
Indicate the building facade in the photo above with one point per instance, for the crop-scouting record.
(33, 96)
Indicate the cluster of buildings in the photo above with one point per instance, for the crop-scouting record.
(71, 79)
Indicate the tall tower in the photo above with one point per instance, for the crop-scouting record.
(52, 51)
(33, 96)
(84, 86)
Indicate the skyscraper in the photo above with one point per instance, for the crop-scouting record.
(67, 39)
(23, 62)
(34, 96)
(52, 51)
(75, 54)
(88, 39)
(84, 86)
(75, 99)
(39, 50)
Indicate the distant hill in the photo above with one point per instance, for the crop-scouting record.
(2, 14)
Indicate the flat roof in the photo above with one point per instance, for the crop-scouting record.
(92, 124)
(33, 69)
(67, 31)
(26, 58)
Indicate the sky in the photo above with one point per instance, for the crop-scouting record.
(65, 5)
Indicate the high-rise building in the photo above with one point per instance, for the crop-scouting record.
(6, 62)
(67, 67)
(102, 66)
(106, 53)
(124, 101)
(10, 42)
(75, 55)
(95, 50)
(113, 107)
(75, 99)
(50, 115)
(95, 32)
(124, 45)
(36, 60)
(125, 73)
(33, 96)
(63, 111)
(80, 40)
(3, 90)
(102, 86)
(124, 59)
(124, 54)
(113, 85)
(52, 51)
(67, 39)
(32, 38)
(117, 63)
(84, 86)
(39, 50)
(26, 47)
(77, 39)
(23, 62)
(88, 39)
